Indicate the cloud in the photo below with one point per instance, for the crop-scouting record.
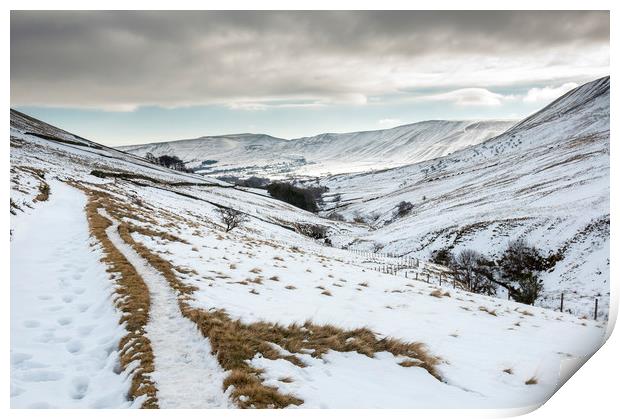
(473, 96)
(389, 122)
(548, 93)
(258, 106)
(127, 59)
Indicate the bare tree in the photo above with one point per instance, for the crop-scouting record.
(231, 217)
(474, 271)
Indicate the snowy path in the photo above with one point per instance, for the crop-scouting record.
(64, 327)
(186, 374)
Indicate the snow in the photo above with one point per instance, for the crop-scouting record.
(348, 380)
(264, 270)
(186, 374)
(476, 346)
(546, 179)
(64, 328)
(250, 154)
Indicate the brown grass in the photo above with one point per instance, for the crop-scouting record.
(290, 287)
(44, 192)
(532, 381)
(326, 292)
(487, 310)
(508, 371)
(134, 302)
(235, 343)
(363, 284)
(436, 293)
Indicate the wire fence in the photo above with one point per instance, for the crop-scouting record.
(431, 273)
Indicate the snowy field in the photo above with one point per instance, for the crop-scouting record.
(392, 342)
(65, 331)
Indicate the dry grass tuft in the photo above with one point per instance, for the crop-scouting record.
(487, 310)
(326, 292)
(274, 278)
(235, 343)
(44, 192)
(436, 294)
(508, 371)
(363, 284)
(256, 270)
(532, 381)
(410, 363)
(290, 287)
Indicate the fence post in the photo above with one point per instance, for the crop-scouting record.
(440, 275)
(595, 308)
(562, 303)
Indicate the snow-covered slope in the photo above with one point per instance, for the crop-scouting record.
(259, 316)
(246, 154)
(546, 179)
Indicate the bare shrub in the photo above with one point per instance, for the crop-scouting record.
(231, 217)
(313, 231)
(336, 216)
(403, 208)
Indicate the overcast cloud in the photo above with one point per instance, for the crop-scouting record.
(250, 61)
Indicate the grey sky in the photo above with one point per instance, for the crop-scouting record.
(252, 61)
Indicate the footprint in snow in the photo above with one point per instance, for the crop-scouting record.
(79, 387)
(30, 324)
(19, 357)
(41, 376)
(74, 346)
(85, 330)
(63, 321)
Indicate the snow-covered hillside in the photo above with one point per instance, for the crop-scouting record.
(249, 154)
(261, 316)
(546, 180)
